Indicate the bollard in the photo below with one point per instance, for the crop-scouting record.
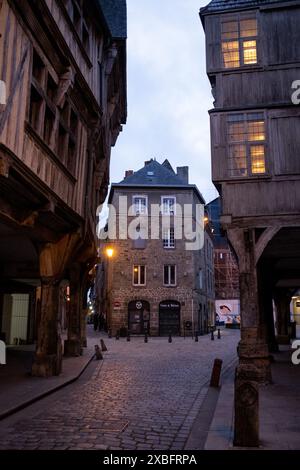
(196, 337)
(219, 333)
(246, 416)
(103, 345)
(212, 336)
(170, 338)
(98, 353)
(216, 373)
(146, 338)
(109, 333)
(118, 334)
(128, 336)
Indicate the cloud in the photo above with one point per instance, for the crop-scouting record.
(168, 91)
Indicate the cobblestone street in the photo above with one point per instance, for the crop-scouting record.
(142, 396)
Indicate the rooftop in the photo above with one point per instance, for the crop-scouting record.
(115, 14)
(221, 5)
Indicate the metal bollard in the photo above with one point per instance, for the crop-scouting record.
(196, 337)
(170, 338)
(146, 338)
(109, 333)
(103, 345)
(212, 336)
(219, 333)
(128, 337)
(118, 335)
(98, 353)
(216, 373)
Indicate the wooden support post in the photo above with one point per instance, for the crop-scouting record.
(72, 346)
(246, 422)
(48, 358)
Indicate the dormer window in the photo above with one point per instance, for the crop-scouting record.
(239, 42)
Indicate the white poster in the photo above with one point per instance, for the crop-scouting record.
(228, 312)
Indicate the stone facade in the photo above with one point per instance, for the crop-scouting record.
(194, 297)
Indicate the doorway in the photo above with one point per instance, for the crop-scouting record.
(169, 318)
(138, 317)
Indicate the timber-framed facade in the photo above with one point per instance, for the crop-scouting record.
(63, 64)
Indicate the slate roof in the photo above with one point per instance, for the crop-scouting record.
(156, 174)
(115, 14)
(221, 5)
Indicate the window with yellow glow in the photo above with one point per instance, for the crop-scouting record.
(239, 45)
(257, 159)
(246, 137)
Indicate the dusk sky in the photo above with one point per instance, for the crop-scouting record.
(168, 91)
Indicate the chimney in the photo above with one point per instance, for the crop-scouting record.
(128, 173)
(148, 161)
(183, 173)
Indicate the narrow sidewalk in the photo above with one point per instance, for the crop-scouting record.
(18, 389)
(279, 410)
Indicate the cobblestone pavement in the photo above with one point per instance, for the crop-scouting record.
(142, 396)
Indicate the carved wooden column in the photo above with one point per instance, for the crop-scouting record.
(254, 363)
(48, 358)
(72, 346)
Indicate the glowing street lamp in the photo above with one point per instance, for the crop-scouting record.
(109, 252)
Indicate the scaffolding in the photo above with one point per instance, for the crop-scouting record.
(226, 274)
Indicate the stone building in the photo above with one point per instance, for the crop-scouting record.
(157, 286)
(63, 103)
(227, 292)
(253, 65)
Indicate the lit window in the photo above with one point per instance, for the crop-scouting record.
(170, 275)
(168, 205)
(140, 205)
(239, 45)
(168, 238)
(246, 137)
(139, 275)
(258, 159)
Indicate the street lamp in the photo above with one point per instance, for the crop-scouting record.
(109, 252)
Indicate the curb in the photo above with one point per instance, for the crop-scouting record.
(40, 396)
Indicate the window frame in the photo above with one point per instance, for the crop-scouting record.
(240, 40)
(139, 266)
(168, 213)
(171, 240)
(141, 196)
(169, 275)
(247, 143)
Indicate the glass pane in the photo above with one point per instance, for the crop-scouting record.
(172, 239)
(230, 30)
(237, 132)
(256, 130)
(142, 274)
(250, 55)
(135, 275)
(172, 275)
(231, 55)
(248, 28)
(237, 160)
(166, 274)
(257, 153)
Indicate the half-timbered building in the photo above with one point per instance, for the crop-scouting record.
(63, 103)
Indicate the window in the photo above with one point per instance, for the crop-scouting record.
(61, 137)
(246, 138)
(239, 42)
(168, 205)
(168, 238)
(139, 275)
(77, 11)
(140, 205)
(170, 275)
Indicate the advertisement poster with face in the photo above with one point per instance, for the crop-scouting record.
(228, 312)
